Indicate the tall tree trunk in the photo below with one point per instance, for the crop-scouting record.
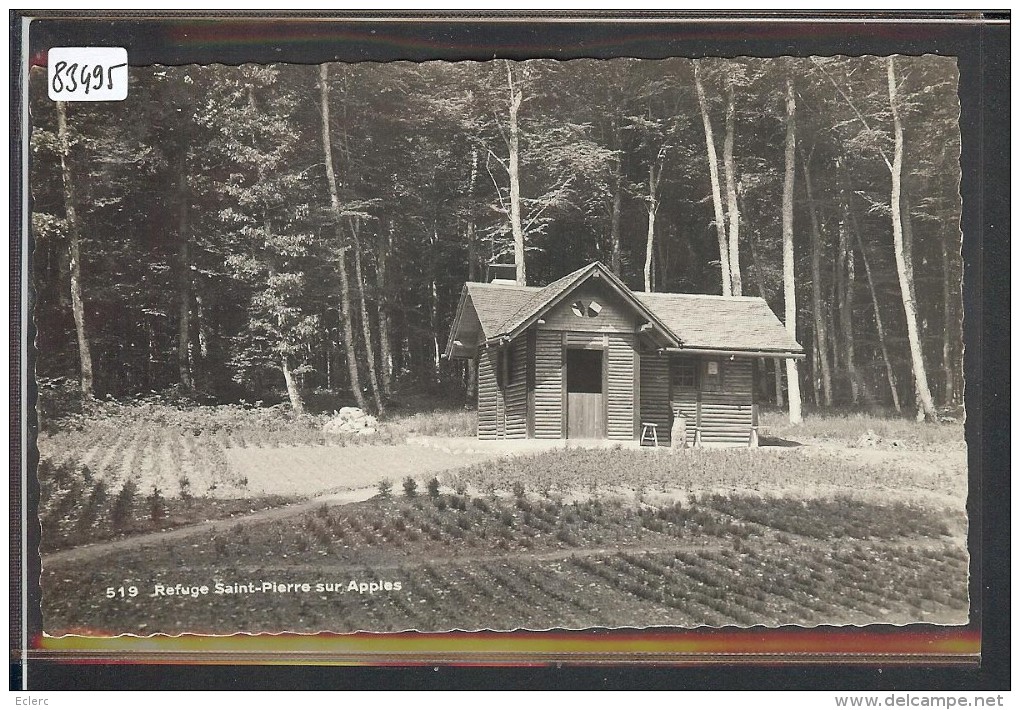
(74, 236)
(184, 358)
(471, 364)
(846, 309)
(732, 208)
(366, 324)
(383, 309)
(789, 283)
(615, 256)
(334, 200)
(469, 232)
(926, 407)
(890, 374)
(816, 286)
(293, 392)
(713, 172)
(760, 279)
(652, 207)
(434, 304)
(948, 370)
(513, 168)
(202, 328)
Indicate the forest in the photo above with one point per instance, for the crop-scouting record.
(301, 233)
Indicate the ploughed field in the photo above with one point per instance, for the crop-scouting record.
(438, 558)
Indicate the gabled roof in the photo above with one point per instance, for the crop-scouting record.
(684, 321)
(506, 310)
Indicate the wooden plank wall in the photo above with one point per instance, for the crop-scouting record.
(613, 317)
(620, 386)
(487, 362)
(548, 385)
(726, 416)
(516, 392)
(655, 394)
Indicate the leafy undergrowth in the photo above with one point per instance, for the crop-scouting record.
(453, 560)
(249, 425)
(76, 508)
(857, 429)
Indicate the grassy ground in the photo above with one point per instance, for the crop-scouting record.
(863, 430)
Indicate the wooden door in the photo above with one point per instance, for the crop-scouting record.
(585, 392)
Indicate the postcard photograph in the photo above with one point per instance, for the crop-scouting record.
(501, 345)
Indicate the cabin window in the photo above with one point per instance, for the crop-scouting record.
(685, 374)
(712, 381)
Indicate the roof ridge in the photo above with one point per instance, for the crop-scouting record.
(540, 296)
(716, 296)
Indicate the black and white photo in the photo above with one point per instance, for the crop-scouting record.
(544, 344)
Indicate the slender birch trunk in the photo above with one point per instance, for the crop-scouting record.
(293, 392)
(513, 168)
(816, 286)
(74, 237)
(615, 256)
(732, 207)
(713, 172)
(203, 336)
(334, 199)
(926, 408)
(889, 372)
(471, 365)
(948, 371)
(383, 309)
(652, 207)
(184, 288)
(777, 371)
(846, 308)
(815, 367)
(789, 283)
(366, 324)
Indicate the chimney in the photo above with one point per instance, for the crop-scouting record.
(501, 273)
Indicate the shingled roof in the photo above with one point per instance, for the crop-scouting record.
(721, 322)
(727, 323)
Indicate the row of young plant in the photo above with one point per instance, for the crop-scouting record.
(568, 471)
(713, 586)
(154, 456)
(436, 522)
(76, 507)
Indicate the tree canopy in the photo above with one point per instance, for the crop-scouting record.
(265, 232)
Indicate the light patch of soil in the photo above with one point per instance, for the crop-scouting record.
(309, 470)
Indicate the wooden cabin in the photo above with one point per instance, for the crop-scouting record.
(587, 358)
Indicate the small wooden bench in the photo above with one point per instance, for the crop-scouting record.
(649, 432)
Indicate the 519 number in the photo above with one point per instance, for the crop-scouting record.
(121, 592)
